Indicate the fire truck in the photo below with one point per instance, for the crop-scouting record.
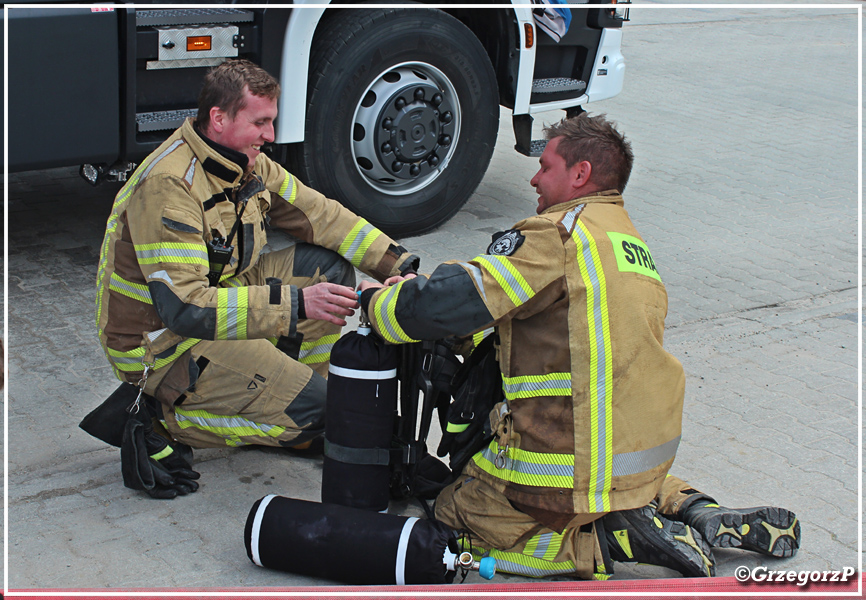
(393, 111)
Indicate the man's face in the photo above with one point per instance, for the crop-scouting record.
(554, 182)
(251, 127)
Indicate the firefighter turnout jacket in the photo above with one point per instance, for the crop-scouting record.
(154, 300)
(593, 403)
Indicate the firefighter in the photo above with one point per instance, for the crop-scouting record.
(575, 475)
(232, 342)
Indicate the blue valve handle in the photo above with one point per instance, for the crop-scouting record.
(487, 567)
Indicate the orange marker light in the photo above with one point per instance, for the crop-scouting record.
(199, 42)
(530, 33)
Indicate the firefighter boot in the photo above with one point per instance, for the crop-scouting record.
(642, 535)
(766, 529)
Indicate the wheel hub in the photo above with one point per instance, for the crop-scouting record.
(405, 128)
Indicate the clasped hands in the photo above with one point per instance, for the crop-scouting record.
(331, 302)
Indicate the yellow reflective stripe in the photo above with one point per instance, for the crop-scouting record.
(174, 252)
(317, 351)
(600, 369)
(229, 427)
(537, 469)
(356, 244)
(520, 564)
(133, 360)
(103, 261)
(167, 451)
(231, 281)
(231, 314)
(383, 309)
(289, 186)
(507, 276)
(544, 545)
(531, 386)
(111, 226)
(136, 291)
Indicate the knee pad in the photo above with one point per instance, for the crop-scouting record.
(335, 268)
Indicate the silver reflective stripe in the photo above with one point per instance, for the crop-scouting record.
(231, 312)
(552, 384)
(236, 422)
(504, 565)
(400, 565)
(543, 544)
(190, 173)
(603, 452)
(359, 240)
(384, 308)
(520, 465)
(476, 274)
(257, 527)
(155, 334)
(357, 374)
(570, 216)
(496, 263)
(164, 153)
(161, 275)
(172, 253)
(131, 290)
(127, 360)
(630, 463)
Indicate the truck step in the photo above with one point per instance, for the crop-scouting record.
(163, 120)
(556, 85)
(523, 136)
(536, 147)
(191, 16)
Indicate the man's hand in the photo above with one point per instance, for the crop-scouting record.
(398, 279)
(366, 285)
(325, 301)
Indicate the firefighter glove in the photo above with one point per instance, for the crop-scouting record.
(150, 463)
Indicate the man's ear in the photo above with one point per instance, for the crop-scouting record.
(217, 119)
(581, 171)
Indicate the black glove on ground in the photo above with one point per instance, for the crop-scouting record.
(150, 463)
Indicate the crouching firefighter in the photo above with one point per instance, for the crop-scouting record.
(574, 475)
(231, 342)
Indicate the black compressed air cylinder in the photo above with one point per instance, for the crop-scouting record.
(345, 544)
(359, 418)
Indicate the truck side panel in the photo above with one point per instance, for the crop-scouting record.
(64, 87)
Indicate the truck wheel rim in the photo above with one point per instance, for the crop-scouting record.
(405, 128)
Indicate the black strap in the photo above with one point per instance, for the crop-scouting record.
(357, 456)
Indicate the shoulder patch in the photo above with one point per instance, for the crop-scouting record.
(506, 243)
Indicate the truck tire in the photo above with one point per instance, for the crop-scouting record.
(402, 116)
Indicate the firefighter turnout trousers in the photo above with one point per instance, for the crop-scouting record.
(251, 391)
(523, 546)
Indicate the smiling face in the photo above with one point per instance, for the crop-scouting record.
(252, 126)
(555, 182)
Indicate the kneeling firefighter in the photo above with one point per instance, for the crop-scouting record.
(371, 453)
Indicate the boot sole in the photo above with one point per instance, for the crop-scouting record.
(769, 531)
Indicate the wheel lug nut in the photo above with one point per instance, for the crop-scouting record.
(437, 99)
(396, 166)
(386, 148)
(433, 160)
(419, 94)
(399, 103)
(414, 170)
(386, 124)
(446, 117)
(445, 140)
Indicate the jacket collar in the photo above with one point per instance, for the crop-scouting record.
(606, 197)
(217, 160)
